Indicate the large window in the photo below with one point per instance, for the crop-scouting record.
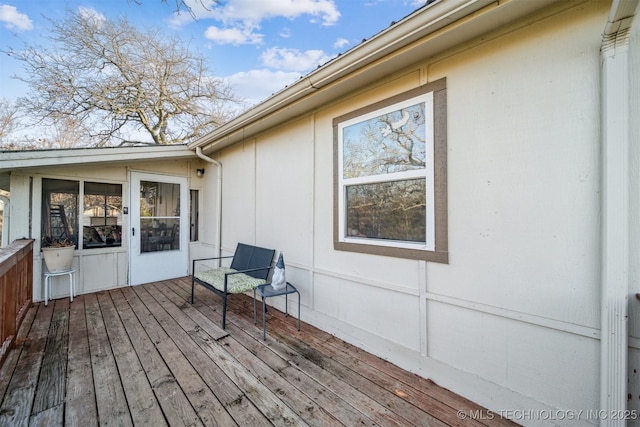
(101, 218)
(390, 176)
(102, 215)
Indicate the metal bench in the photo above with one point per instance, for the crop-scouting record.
(250, 267)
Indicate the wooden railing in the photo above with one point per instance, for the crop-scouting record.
(16, 290)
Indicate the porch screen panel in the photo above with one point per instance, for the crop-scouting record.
(159, 216)
(59, 211)
(102, 215)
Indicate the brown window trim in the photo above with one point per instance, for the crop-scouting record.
(441, 252)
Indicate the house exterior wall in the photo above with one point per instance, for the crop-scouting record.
(513, 320)
(99, 268)
(524, 183)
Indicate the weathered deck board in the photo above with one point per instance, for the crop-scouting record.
(205, 403)
(351, 406)
(145, 333)
(424, 394)
(110, 398)
(269, 403)
(145, 356)
(369, 374)
(312, 366)
(19, 396)
(294, 382)
(226, 391)
(267, 367)
(53, 373)
(144, 410)
(80, 405)
(302, 381)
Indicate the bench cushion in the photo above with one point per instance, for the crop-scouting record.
(236, 283)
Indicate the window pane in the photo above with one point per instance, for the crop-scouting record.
(389, 143)
(102, 215)
(159, 216)
(59, 211)
(194, 213)
(160, 234)
(389, 210)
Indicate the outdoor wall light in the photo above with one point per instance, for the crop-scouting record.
(200, 172)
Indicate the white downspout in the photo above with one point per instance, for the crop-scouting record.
(615, 256)
(5, 221)
(201, 155)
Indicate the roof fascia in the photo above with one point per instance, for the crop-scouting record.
(442, 24)
(12, 160)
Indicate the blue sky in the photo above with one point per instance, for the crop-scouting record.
(260, 46)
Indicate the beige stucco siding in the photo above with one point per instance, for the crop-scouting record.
(524, 176)
(515, 312)
(239, 190)
(524, 169)
(285, 179)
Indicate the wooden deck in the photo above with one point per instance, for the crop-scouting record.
(144, 356)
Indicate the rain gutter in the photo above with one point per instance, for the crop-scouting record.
(416, 26)
(615, 256)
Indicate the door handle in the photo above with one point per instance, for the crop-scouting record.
(133, 231)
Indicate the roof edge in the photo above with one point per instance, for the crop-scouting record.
(12, 160)
(425, 20)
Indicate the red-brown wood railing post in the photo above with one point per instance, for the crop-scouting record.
(16, 290)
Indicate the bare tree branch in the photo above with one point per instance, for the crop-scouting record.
(117, 81)
(8, 119)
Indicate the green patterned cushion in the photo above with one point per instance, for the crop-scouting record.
(236, 283)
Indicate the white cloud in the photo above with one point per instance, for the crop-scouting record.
(293, 59)
(253, 12)
(257, 85)
(240, 18)
(234, 36)
(285, 33)
(90, 14)
(340, 43)
(200, 9)
(14, 20)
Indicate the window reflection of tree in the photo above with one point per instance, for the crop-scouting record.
(369, 152)
(148, 197)
(59, 210)
(160, 216)
(388, 210)
(387, 144)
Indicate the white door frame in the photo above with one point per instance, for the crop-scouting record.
(145, 267)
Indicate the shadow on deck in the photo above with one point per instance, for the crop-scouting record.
(144, 356)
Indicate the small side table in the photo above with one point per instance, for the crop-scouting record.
(266, 291)
(47, 283)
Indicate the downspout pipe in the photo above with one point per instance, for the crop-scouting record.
(218, 165)
(615, 88)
